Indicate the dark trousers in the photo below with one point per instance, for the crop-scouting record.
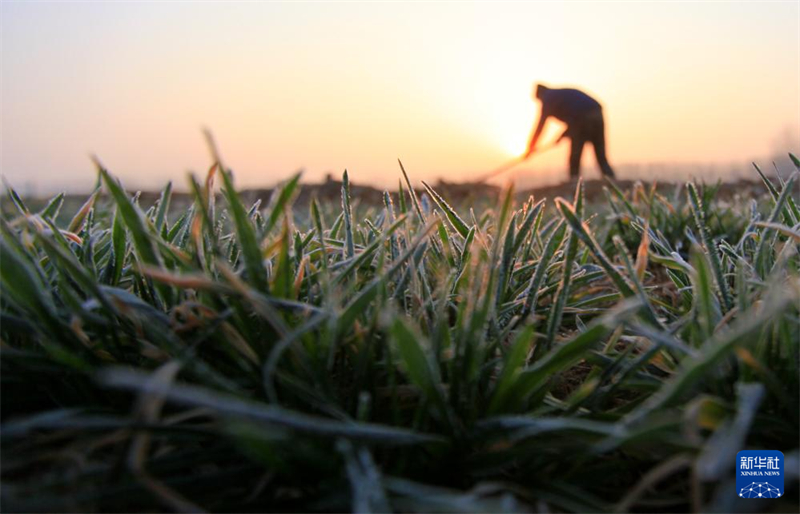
(589, 129)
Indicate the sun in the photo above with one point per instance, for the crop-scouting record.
(512, 135)
(510, 122)
(513, 124)
(509, 113)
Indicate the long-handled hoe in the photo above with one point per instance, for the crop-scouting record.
(517, 160)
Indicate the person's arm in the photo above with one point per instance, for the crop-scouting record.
(538, 132)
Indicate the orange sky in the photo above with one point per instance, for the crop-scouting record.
(327, 86)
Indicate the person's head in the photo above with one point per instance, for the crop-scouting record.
(540, 89)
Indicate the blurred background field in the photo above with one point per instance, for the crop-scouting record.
(463, 194)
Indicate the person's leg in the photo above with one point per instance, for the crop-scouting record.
(599, 144)
(575, 156)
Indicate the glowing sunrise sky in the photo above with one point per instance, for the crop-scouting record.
(326, 86)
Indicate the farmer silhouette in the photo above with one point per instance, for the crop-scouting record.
(584, 118)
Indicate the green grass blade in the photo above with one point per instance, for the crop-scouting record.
(452, 216)
(582, 231)
(412, 194)
(253, 259)
(53, 207)
(421, 371)
(163, 206)
(535, 286)
(710, 248)
(348, 217)
(134, 220)
(282, 203)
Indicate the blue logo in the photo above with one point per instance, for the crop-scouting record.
(759, 474)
